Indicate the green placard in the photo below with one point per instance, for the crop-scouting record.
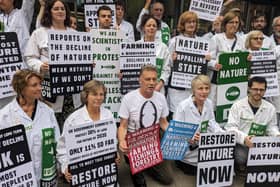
(165, 34)
(204, 126)
(159, 64)
(48, 154)
(235, 68)
(257, 129)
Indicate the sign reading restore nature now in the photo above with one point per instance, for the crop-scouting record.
(231, 82)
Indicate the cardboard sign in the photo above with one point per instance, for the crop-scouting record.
(263, 64)
(10, 62)
(174, 143)
(215, 159)
(190, 61)
(132, 57)
(91, 150)
(231, 82)
(263, 164)
(16, 167)
(106, 45)
(144, 148)
(91, 19)
(205, 9)
(71, 63)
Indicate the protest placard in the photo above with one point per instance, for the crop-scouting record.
(263, 64)
(190, 61)
(91, 18)
(263, 164)
(205, 9)
(16, 167)
(231, 82)
(10, 62)
(70, 59)
(132, 57)
(215, 159)
(91, 151)
(144, 148)
(106, 45)
(174, 143)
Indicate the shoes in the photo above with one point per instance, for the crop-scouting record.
(186, 168)
(138, 180)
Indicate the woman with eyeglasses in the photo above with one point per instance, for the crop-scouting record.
(254, 40)
(187, 27)
(227, 41)
(56, 16)
(38, 119)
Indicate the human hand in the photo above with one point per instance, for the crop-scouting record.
(248, 141)
(67, 175)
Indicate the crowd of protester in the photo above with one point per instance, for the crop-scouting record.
(187, 104)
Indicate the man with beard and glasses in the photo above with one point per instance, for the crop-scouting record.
(249, 117)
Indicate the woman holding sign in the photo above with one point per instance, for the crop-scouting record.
(56, 16)
(227, 41)
(149, 26)
(187, 27)
(92, 97)
(39, 121)
(196, 109)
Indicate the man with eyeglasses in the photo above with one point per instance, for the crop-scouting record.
(249, 117)
(104, 14)
(156, 10)
(259, 23)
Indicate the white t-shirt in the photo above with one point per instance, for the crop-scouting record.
(142, 112)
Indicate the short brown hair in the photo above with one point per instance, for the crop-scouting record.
(91, 87)
(20, 80)
(148, 67)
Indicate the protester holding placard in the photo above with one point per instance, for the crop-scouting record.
(143, 108)
(251, 116)
(39, 121)
(149, 27)
(196, 109)
(92, 97)
(187, 27)
(275, 100)
(56, 17)
(156, 10)
(228, 41)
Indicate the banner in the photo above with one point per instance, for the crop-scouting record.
(91, 151)
(132, 57)
(70, 59)
(144, 148)
(174, 143)
(263, 64)
(205, 9)
(263, 164)
(106, 45)
(16, 167)
(10, 62)
(231, 82)
(215, 159)
(91, 18)
(190, 61)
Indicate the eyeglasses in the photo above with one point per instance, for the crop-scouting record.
(258, 38)
(258, 90)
